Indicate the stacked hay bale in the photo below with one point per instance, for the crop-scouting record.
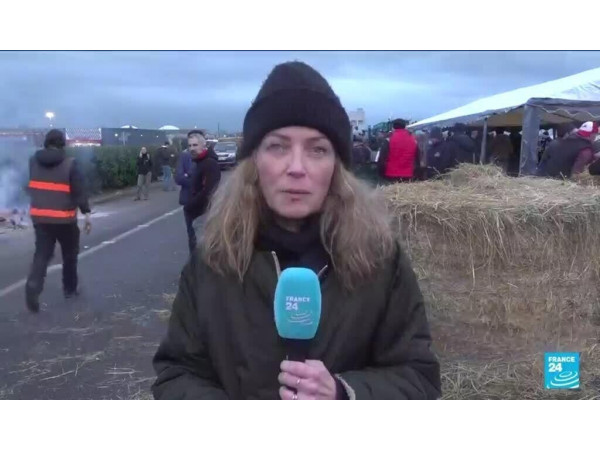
(510, 268)
(586, 179)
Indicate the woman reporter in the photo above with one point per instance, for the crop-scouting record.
(293, 202)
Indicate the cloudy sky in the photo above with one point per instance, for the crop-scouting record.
(204, 89)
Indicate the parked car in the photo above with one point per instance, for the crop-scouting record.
(226, 152)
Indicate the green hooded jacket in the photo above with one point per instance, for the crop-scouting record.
(222, 342)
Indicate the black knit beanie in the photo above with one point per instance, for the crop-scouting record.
(295, 94)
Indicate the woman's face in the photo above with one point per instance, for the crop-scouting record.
(295, 166)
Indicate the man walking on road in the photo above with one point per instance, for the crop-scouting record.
(57, 189)
(206, 178)
(183, 177)
(166, 157)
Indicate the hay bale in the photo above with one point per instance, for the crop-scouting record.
(506, 264)
(586, 179)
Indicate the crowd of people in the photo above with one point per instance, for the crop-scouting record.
(405, 156)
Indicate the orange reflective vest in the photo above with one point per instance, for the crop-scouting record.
(50, 190)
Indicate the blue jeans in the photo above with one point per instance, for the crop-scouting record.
(189, 220)
(198, 225)
(168, 178)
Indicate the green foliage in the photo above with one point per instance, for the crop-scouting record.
(111, 167)
(179, 144)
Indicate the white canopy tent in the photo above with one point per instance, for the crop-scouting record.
(573, 98)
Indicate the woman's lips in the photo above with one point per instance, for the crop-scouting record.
(295, 192)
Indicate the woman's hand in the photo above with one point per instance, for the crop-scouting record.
(311, 380)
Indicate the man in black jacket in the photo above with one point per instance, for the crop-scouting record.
(465, 148)
(569, 156)
(57, 189)
(441, 154)
(594, 168)
(166, 157)
(206, 177)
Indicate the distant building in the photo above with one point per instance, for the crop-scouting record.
(79, 137)
(358, 119)
(132, 136)
(32, 137)
(127, 135)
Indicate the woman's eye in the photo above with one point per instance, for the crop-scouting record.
(275, 146)
(320, 150)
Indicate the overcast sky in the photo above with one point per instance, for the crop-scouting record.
(203, 89)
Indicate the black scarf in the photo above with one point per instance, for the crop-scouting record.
(294, 249)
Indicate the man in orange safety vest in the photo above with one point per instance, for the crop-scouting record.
(56, 187)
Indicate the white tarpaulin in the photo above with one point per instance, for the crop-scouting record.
(573, 98)
(581, 87)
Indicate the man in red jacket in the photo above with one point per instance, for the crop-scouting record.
(397, 159)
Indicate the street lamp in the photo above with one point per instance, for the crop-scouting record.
(50, 116)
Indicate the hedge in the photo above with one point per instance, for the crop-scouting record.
(111, 167)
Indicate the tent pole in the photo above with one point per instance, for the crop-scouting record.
(483, 142)
(531, 126)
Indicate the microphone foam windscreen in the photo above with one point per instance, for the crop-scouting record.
(297, 303)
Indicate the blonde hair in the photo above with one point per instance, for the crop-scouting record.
(354, 225)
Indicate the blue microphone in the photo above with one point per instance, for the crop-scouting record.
(297, 308)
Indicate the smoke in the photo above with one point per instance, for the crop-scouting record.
(10, 187)
(14, 171)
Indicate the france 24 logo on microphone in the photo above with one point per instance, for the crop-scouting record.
(561, 370)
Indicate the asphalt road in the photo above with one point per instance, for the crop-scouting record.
(99, 345)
